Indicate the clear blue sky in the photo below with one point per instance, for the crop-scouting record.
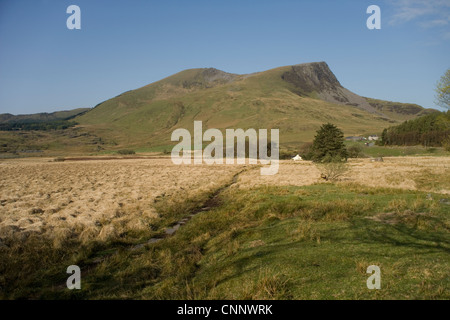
(124, 45)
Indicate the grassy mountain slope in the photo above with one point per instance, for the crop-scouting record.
(295, 99)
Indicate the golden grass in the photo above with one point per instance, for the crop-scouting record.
(411, 173)
(86, 200)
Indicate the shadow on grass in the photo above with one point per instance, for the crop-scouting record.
(401, 235)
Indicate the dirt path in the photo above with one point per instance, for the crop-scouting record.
(212, 202)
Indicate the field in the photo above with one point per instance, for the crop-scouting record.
(241, 236)
(91, 199)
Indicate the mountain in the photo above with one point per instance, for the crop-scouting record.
(296, 99)
(41, 117)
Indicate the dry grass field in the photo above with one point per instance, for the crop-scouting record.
(93, 212)
(104, 198)
(410, 173)
(94, 199)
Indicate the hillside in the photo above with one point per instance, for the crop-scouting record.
(296, 99)
(398, 110)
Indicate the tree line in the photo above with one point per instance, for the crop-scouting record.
(432, 130)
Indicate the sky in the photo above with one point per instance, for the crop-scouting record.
(123, 45)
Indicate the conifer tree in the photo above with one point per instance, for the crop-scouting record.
(328, 145)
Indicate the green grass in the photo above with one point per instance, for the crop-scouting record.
(163, 149)
(316, 242)
(398, 151)
(312, 242)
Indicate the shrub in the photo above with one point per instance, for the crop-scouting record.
(305, 151)
(331, 169)
(355, 151)
(126, 151)
(285, 155)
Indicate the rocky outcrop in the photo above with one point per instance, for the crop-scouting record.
(316, 79)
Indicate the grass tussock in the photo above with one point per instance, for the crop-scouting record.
(267, 285)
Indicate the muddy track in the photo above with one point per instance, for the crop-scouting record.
(112, 158)
(212, 202)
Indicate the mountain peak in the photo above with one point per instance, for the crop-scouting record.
(309, 77)
(213, 74)
(199, 78)
(316, 78)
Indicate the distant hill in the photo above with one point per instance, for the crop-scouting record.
(400, 111)
(296, 99)
(41, 117)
